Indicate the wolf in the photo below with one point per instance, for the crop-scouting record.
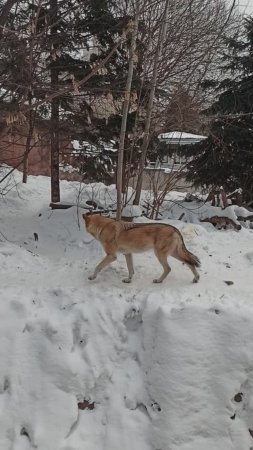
(117, 236)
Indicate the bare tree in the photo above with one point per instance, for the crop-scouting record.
(157, 56)
(187, 45)
(160, 184)
(180, 43)
(30, 82)
(55, 106)
(125, 110)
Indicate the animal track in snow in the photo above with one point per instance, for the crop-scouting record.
(243, 402)
(133, 318)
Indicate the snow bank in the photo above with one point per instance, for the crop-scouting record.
(132, 211)
(196, 362)
(154, 367)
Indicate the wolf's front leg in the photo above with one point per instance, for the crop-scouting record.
(129, 261)
(105, 262)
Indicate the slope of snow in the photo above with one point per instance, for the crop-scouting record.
(163, 367)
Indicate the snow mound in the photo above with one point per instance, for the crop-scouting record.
(104, 365)
(199, 375)
(132, 211)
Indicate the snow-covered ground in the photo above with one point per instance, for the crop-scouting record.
(160, 367)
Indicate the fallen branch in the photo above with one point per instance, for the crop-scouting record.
(149, 206)
(244, 219)
(89, 209)
(222, 221)
(181, 216)
(64, 206)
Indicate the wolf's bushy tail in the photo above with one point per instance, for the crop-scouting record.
(187, 256)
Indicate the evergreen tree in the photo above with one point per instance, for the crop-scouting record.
(58, 44)
(53, 46)
(225, 158)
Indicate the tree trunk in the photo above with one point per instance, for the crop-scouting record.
(54, 122)
(32, 113)
(161, 37)
(125, 113)
(54, 137)
(29, 135)
(28, 146)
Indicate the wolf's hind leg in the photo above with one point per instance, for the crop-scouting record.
(162, 258)
(195, 273)
(192, 267)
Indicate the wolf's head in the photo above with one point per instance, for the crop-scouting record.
(88, 221)
(95, 223)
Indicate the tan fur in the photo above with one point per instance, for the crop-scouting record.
(127, 238)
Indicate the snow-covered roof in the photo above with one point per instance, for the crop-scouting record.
(80, 145)
(181, 137)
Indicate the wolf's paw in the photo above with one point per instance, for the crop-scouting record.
(195, 279)
(127, 280)
(157, 280)
(92, 277)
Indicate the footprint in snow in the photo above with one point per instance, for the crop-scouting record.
(133, 318)
(243, 405)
